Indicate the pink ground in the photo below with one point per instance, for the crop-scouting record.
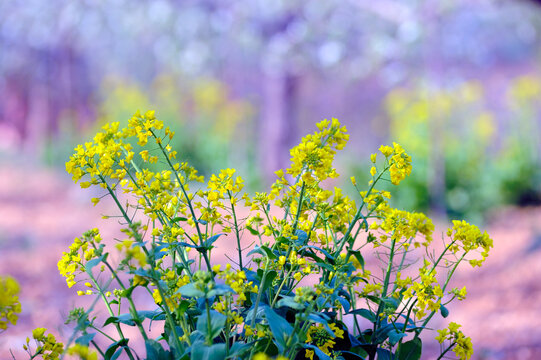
(41, 212)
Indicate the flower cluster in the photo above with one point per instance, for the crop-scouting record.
(399, 162)
(81, 251)
(468, 237)
(260, 305)
(315, 154)
(46, 345)
(461, 344)
(9, 301)
(324, 339)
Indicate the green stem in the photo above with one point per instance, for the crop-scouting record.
(385, 285)
(111, 313)
(209, 325)
(137, 320)
(259, 293)
(98, 348)
(280, 288)
(446, 350)
(239, 248)
(101, 332)
(169, 317)
(358, 215)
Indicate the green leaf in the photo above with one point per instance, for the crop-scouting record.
(410, 350)
(217, 323)
(219, 290)
(155, 351)
(281, 329)
(239, 348)
(201, 351)
(190, 290)
(395, 336)
(357, 353)
(110, 352)
(266, 282)
(91, 263)
(110, 320)
(211, 240)
(325, 266)
(263, 250)
(328, 256)
(365, 313)
(252, 230)
(85, 339)
(358, 256)
(302, 237)
(384, 354)
(178, 218)
(290, 302)
(383, 333)
(444, 311)
(128, 319)
(117, 353)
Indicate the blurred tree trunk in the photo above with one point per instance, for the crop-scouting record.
(278, 121)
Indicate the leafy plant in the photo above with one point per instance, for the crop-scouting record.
(301, 291)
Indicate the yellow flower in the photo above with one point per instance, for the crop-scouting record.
(37, 333)
(83, 352)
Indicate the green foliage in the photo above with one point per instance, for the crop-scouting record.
(259, 305)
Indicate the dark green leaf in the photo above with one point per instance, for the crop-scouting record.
(201, 351)
(365, 313)
(110, 352)
(217, 323)
(358, 256)
(155, 351)
(110, 320)
(395, 336)
(352, 355)
(329, 257)
(266, 282)
(410, 350)
(289, 301)
(382, 333)
(117, 353)
(239, 348)
(384, 354)
(178, 218)
(280, 328)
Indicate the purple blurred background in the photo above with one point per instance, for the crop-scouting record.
(457, 83)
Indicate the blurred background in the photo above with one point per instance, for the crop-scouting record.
(456, 83)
